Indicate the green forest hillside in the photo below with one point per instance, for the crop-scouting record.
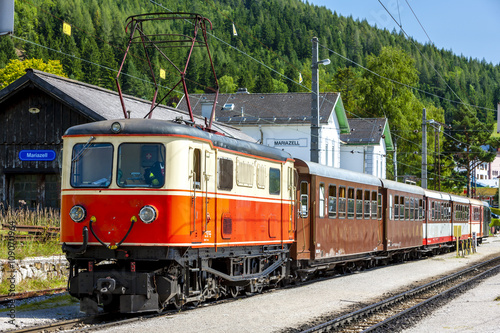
(271, 49)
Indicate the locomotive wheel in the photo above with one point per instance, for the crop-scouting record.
(234, 291)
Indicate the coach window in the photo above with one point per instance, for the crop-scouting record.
(412, 209)
(367, 204)
(407, 208)
(359, 204)
(420, 210)
(350, 203)
(274, 181)
(225, 174)
(401, 207)
(304, 199)
(374, 204)
(321, 200)
(379, 203)
(141, 165)
(342, 202)
(91, 164)
(396, 207)
(332, 201)
(390, 207)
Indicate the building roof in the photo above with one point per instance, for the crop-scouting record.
(102, 104)
(368, 131)
(281, 108)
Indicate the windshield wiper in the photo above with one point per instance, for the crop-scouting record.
(85, 147)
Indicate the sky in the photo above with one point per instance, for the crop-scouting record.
(469, 28)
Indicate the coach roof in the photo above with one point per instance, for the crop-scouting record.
(164, 127)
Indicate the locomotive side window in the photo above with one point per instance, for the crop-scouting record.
(141, 165)
(359, 204)
(332, 201)
(225, 181)
(261, 176)
(350, 203)
(274, 181)
(304, 199)
(244, 173)
(342, 202)
(91, 165)
(321, 200)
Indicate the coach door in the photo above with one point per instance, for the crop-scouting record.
(303, 219)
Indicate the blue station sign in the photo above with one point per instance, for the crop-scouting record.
(37, 155)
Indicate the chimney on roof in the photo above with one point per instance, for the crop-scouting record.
(242, 91)
(206, 108)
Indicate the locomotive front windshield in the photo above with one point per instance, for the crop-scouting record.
(91, 165)
(141, 165)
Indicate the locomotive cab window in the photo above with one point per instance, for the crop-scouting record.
(91, 165)
(141, 165)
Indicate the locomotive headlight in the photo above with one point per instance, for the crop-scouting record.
(148, 214)
(116, 127)
(77, 213)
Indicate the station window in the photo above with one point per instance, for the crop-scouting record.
(332, 201)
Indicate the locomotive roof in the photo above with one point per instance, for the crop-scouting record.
(164, 127)
(397, 186)
(331, 172)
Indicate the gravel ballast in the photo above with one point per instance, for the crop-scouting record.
(286, 309)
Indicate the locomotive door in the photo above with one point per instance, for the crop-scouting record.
(197, 188)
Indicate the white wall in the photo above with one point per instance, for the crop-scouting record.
(296, 140)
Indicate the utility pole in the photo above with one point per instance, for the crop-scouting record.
(424, 149)
(315, 100)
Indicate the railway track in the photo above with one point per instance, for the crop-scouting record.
(392, 313)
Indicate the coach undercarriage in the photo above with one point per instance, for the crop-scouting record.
(137, 280)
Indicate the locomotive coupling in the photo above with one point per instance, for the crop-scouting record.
(106, 285)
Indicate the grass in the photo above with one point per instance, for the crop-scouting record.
(33, 285)
(27, 249)
(52, 302)
(46, 217)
